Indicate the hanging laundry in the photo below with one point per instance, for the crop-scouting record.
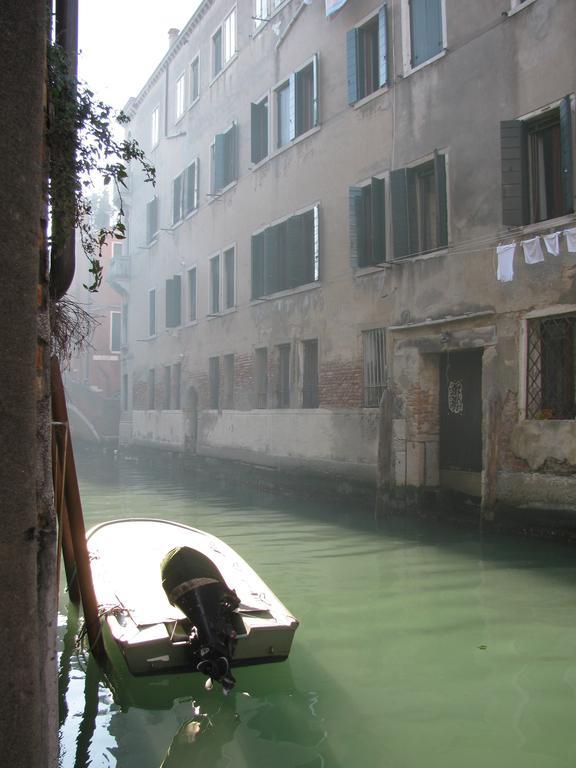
(505, 253)
(552, 243)
(570, 235)
(532, 251)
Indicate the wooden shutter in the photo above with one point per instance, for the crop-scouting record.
(566, 155)
(256, 134)
(315, 105)
(426, 35)
(355, 224)
(177, 199)
(292, 108)
(400, 218)
(383, 46)
(232, 154)
(177, 300)
(441, 200)
(515, 211)
(271, 256)
(258, 265)
(352, 57)
(378, 204)
(220, 142)
(169, 304)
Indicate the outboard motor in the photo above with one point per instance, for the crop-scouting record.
(194, 584)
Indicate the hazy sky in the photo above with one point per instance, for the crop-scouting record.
(122, 41)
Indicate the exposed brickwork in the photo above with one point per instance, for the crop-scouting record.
(139, 394)
(508, 461)
(422, 410)
(340, 384)
(243, 382)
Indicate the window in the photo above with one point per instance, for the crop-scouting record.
(259, 130)
(426, 30)
(192, 295)
(117, 250)
(419, 208)
(115, 331)
(261, 377)
(551, 374)
(374, 348)
(310, 374)
(537, 166)
(215, 285)
(176, 386)
(152, 312)
(167, 387)
(185, 193)
(224, 43)
(224, 159)
(283, 393)
(174, 302)
(260, 12)
(124, 336)
(297, 104)
(229, 279)
(367, 57)
(195, 80)
(367, 221)
(228, 383)
(152, 220)
(151, 389)
(214, 382)
(155, 126)
(180, 96)
(286, 255)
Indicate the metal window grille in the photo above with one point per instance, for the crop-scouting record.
(551, 380)
(310, 397)
(374, 343)
(228, 399)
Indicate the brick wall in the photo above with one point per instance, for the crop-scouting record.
(340, 384)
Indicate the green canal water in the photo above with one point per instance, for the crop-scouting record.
(419, 647)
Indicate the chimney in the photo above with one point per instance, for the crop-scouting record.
(172, 36)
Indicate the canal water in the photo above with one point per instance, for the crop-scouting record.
(419, 647)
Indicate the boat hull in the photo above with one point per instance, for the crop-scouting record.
(152, 634)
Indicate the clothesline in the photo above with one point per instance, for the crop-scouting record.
(533, 252)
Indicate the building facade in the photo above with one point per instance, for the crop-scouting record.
(373, 201)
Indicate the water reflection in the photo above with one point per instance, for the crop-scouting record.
(420, 646)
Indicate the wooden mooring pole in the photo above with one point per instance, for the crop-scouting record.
(76, 522)
(65, 546)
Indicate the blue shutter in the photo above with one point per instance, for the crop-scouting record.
(354, 224)
(441, 200)
(400, 218)
(352, 48)
(255, 136)
(292, 108)
(219, 161)
(426, 34)
(566, 154)
(177, 296)
(382, 46)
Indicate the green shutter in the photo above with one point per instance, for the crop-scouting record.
(566, 154)
(315, 105)
(378, 203)
(441, 200)
(177, 297)
(270, 260)
(400, 218)
(219, 161)
(355, 224)
(292, 108)
(352, 54)
(258, 265)
(255, 137)
(383, 46)
(177, 199)
(515, 211)
(233, 150)
(168, 304)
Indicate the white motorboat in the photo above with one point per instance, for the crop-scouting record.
(177, 599)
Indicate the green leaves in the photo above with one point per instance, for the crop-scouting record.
(83, 148)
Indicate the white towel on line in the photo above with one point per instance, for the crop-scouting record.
(552, 243)
(570, 235)
(505, 271)
(532, 251)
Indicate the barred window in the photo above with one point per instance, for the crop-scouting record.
(310, 393)
(374, 345)
(551, 381)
